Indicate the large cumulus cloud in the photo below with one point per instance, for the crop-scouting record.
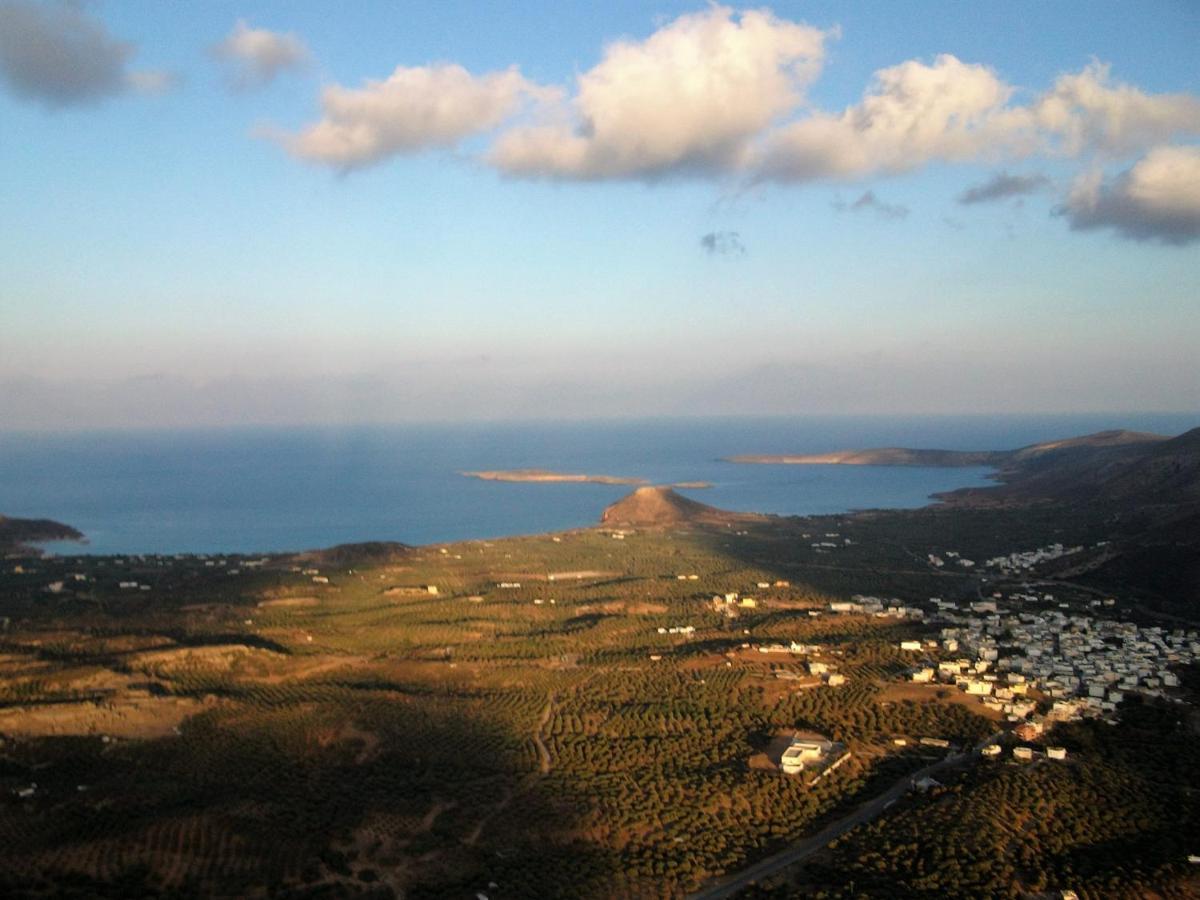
(688, 99)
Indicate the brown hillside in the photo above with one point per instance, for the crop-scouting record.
(1121, 467)
(1101, 440)
(657, 507)
(1167, 472)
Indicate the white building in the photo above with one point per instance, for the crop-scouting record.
(804, 752)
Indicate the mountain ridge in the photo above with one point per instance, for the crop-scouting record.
(939, 458)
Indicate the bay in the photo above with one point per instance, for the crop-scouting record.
(276, 489)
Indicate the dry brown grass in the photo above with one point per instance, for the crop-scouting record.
(124, 717)
(930, 693)
(289, 602)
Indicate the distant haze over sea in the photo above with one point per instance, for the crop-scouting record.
(261, 490)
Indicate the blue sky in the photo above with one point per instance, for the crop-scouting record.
(177, 251)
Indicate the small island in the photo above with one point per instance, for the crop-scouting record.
(543, 476)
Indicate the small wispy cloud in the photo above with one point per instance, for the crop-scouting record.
(254, 57)
(1002, 186)
(722, 243)
(871, 203)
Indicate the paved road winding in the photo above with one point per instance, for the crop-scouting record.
(729, 885)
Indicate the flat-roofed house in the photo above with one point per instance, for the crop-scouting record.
(804, 752)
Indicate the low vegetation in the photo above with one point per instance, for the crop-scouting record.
(555, 716)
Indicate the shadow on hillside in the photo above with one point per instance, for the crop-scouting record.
(315, 796)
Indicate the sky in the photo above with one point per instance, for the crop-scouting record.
(225, 213)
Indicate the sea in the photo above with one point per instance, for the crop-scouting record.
(259, 490)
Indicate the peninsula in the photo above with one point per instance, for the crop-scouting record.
(17, 535)
(882, 456)
(945, 459)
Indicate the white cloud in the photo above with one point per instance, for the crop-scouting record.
(687, 99)
(1088, 112)
(722, 94)
(255, 56)
(56, 55)
(414, 109)
(1158, 198)
(953, 111)
(914, 113)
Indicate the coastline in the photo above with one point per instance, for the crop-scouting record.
(885, 456)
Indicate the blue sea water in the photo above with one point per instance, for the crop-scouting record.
(261, 490)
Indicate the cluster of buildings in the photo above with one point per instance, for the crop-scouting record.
(98, 567)
(1025, 754)
(1026, 560)
(938, 562)
(731, 602)
(833, 540)
(816, 668)
(57, 587)
(876, 606)
(677, 629)
(1083, 665)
